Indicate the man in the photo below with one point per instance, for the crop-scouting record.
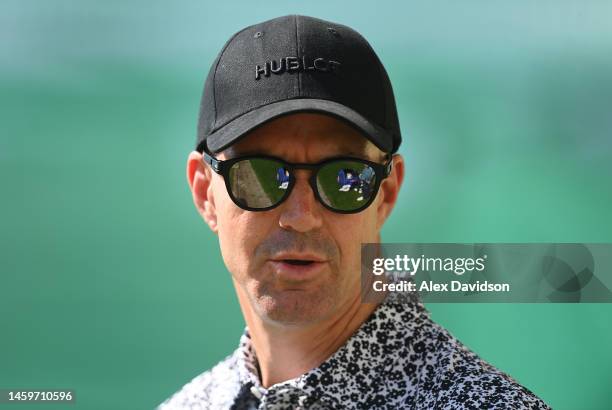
(290, 108)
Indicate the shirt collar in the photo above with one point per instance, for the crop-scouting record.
(361, 362)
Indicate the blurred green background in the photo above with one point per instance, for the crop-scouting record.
(112, 285)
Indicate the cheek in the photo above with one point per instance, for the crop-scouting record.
(350, 233)
(240, 232)
(237, 243)
(230, 229)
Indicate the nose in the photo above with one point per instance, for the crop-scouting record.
(301, 211)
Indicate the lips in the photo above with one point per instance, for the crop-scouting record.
(298, 266)
(298, 258)
(297, 262)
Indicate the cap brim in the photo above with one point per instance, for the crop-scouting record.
(238, 127)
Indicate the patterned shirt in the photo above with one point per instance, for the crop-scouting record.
(397, 359)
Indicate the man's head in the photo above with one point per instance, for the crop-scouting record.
(302, 90)
(299, 262)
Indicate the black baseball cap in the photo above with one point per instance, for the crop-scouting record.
(292, 64)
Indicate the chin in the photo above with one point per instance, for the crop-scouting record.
(296, 307)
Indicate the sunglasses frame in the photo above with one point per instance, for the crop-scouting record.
(222, 167)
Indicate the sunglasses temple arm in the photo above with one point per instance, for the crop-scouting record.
(389, 165)
(213, 162)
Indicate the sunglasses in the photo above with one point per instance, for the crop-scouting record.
(341, 184)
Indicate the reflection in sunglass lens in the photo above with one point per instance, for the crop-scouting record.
(346, 185)
(258, 183)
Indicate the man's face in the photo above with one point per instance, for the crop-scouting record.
(299, 262)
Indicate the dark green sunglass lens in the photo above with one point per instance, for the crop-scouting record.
(346, 185)
(258, 183)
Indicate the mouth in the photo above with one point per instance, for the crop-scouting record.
(297, 262)
(298, 267)
(298, 258)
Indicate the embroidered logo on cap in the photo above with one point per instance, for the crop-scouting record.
(295, 64)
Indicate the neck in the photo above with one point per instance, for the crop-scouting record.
(286, 352)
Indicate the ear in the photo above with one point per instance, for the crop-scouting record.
(199, 178)
(389, 190)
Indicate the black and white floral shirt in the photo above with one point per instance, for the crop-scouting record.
(398, 359)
